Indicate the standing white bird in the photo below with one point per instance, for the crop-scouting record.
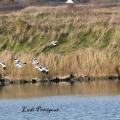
(19, 64)
(53, 43)
(3, 65)
(42, 69)
(70, 1)
(35, 62)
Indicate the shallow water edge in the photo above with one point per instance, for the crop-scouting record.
(68, 79)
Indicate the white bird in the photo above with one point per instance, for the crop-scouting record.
(35, 62)
(3, 65)
(69, 1)
(42, 69)
(19, 64)
(53, 43)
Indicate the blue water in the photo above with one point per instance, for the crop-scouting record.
(69, 108)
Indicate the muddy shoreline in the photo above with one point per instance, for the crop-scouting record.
(71, 79)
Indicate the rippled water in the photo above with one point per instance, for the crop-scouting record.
(70, 108)
(95, 100)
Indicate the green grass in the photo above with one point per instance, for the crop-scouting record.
(32, 31)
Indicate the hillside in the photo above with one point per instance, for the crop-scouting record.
(82, 27)
(88, 39)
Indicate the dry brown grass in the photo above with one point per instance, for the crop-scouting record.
(84, 62)
(92, 46)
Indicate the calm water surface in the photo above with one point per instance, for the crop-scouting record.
(96, 100)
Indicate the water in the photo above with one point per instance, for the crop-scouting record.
(70, 108)
(40, 90)
(96, 100)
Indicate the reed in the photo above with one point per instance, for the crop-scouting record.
(83, 62)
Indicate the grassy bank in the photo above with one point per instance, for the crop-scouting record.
(88, 40)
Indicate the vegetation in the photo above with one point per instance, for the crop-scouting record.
(88, 40)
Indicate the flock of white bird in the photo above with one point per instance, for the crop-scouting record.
(34, 62)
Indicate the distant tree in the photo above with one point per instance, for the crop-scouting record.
(105, 1)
